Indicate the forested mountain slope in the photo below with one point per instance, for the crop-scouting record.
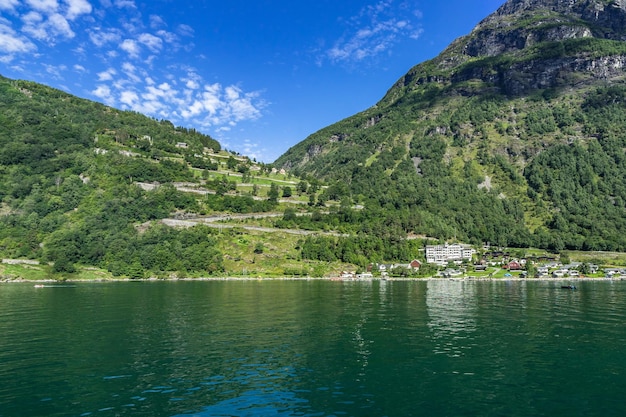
(83, 185)
(68, 185)
(514, 135)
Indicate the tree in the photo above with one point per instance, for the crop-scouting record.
(231, 163)
(302, 187)
(289, 214)
(287, 192)
(272, 194)
(63, 265)
(259, 248)
(136, 271)
(585, 269)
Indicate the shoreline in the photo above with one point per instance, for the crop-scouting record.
(332, 279)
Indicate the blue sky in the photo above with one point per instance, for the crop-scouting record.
(259, 76)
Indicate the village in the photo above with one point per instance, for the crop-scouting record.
(464, 261)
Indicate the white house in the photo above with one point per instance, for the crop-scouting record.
(442, 254)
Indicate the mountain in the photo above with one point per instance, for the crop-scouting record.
(513, 135)
(88, 191)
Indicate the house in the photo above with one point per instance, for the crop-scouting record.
(542, 271)
(442, 254)
(513, 266)
(182, 145)
(415, 264)
(386, 269)
(609, 272)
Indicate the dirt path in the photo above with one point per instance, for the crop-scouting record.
(211, 221)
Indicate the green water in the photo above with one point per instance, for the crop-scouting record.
(313, 348)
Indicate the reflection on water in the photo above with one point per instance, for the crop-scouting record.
(451, 313)
(436, 348)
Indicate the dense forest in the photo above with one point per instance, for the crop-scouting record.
(549, 174)
(513, 136)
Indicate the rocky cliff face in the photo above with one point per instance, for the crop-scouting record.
(519, 24)
(535, 44)
(523, 77)
(607, 14)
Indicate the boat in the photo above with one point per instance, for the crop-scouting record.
(568, 287)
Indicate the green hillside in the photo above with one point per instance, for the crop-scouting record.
(515, 135)
(90, 191)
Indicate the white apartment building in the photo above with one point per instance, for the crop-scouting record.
(442, 254)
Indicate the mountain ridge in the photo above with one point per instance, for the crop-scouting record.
(528, 80)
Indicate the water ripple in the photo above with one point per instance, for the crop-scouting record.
(435, 348)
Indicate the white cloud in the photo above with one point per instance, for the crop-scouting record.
(105, 94)
(79, 68)
(185, 100)
(55, 71)
(8, 4)
(185, 30)
(169, 37)
(48, 30)
(77, 8)
(129, 68)
(130, 4)
(153, 43)
(42, 20)
(416, 33)
(131, 72)
(374, 31)
(157, 22)
(129, 98)
(107, 75)
(101, 37)
(240, 105)
(11, 42)
(45, 6)
(131, 47)
(192, 85)
(59, 26)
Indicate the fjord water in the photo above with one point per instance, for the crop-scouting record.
(313, 348)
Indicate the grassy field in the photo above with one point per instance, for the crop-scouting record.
(252, 254)
(44, 273)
